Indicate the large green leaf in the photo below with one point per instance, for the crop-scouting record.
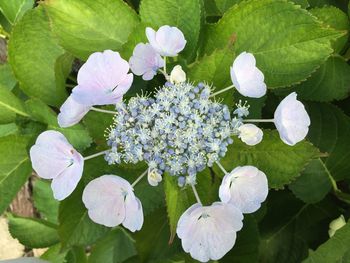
(84, 27)
(10, 105)
(329, 131)
(14, 9)
(15, 167)
(290, 227)
(44, 201)
(177, 201)
(184, 14)
(115, 247)
(55, 255)
(35, 58)
(8, 129)
(33, 233)
(7, 79)
(280, 162)
(334, 249)
(76, 228)
(330, 82)
(272, 30)
(77, 135)
(313, 184)
(335, 18)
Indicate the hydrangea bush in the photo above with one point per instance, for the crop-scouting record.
(162, 131)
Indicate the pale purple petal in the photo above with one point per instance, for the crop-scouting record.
(65, 183)
(291, 120)
(110, 201)
(250, 134)
(247, 188)
(145, 61)
(209, 232)
(51, 154)
(167, 41)
(103, 79)
(71, 112)
(246, 77)
(133, 213)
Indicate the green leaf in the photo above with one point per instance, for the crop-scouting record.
(330, 82)
(97, 123)
(7, 79)
(55, 255)
(10, 105)
(184, 14)
(84, 27)
(115, 247)
(15, 167)
(34, 55)
(280, 162)
(8, 129)
(337, 19)
(44, 201)
(76, 228)
(76, 255)
(33, 233)
(329, 131)
(77, 135)
(271, 30)
(177, 201)
(14, 9)
(334, 249)
(313, 184)
(152, 242)
(246, 248)
(290, 227)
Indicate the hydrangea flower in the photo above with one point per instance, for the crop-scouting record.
(291, 120)
(246, 77)
(103, 79)
(167, 41)
(71, 112)
(111, 201)
(53, 157)
(180, 130)
(209, 232)
(177, 75)
(145, 61)
(245, 187)
(250, 134)
(153, 177)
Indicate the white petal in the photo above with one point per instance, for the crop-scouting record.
(250, 134)
(177, 75)
(291, 120)
(153, 177)
(65, 183)
(109, 200)
(100, 79)
(209, 232)
(51, 154)
(247, 187)
(167, 41)
(246, 77)
(133, 213)
(71, 112)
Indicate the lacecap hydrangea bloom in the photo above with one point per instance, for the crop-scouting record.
(178, 130)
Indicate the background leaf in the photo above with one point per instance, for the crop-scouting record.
(14, 9)
(272, 30)
(84, 27)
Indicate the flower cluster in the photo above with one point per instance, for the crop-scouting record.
(178, 130)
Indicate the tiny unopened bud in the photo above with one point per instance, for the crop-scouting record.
(177, 75)
(250, 134)
(154, 178)
(335, 225)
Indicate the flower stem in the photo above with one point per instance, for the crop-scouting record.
(196, 194)
(95, 155)
(258, 120)
(221, 167)
(165, 65)
(104, 111)
(221, 91)
(167, 77)
(138, 179)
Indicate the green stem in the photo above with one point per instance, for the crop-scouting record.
(221, 91)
